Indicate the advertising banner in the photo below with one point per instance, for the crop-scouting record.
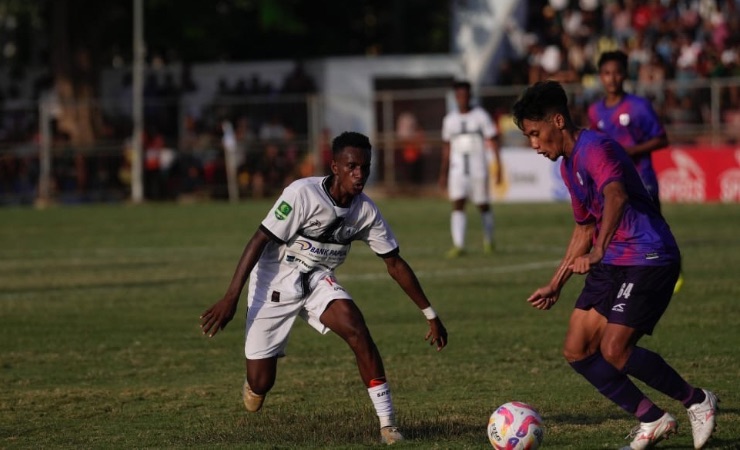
(698, 174)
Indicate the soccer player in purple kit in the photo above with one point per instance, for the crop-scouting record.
(628, 119)
(632, 261)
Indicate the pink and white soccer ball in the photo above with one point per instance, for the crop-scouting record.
(515, 426)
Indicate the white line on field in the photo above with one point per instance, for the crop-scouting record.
(459, 271)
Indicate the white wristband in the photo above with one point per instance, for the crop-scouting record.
(429, 313)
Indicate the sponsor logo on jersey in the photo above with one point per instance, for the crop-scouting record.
(619, 307)
(304, 245)
(283, 210)
(652, 256)
(624, 119)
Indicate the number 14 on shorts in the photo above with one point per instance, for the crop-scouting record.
(626, 290)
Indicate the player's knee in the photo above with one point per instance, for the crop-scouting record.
(571, 355)
(616, 355)
(260, 383)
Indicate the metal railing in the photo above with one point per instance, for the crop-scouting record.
(185, 158)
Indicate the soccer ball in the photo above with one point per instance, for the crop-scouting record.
(515, 426)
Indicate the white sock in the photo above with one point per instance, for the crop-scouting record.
(381, 397)
(458, 222)
(487, 218)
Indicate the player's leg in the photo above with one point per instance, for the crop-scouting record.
(480, 195)
(650, 290)
(260, 378)
(457, 192)
(486, 214)
(344, 318)
(267, 330)
(585, 332)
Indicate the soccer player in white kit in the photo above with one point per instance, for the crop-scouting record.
(469, 143)
(290, 262)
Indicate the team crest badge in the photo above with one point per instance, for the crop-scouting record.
(283, 210)
(624, 119)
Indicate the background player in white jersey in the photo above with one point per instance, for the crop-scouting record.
(290, 262)
(469, 143)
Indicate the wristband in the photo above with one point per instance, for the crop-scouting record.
(429, 313)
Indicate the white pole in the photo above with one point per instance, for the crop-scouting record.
(137, 157)
(230, 148)
(44, 153)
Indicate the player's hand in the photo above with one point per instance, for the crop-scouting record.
(437, 334)
(582, 264)
(544, 298)
(217, 316)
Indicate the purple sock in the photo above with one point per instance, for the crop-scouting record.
(617, 387)
(650, 368)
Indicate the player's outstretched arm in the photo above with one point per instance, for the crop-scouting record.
(580, 243)
(220, 314)
(402, 273)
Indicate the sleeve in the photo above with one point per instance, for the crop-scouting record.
(285, 218)
(580, 212)
(488, 127)
(602, 163)
(378, 235)
(593, 120)
(648, 121)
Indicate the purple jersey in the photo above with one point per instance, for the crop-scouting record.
(630, 122)
(643, 237)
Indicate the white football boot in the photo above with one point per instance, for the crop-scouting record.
(253, 402)
(702, 417)
(390, 435)
(647, 434)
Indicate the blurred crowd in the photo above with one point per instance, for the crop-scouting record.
(666, 40)
(671, 45)
(183, 140)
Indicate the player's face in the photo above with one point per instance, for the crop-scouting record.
(462, 98)
(352, 169)
(612, 77)
(545, 136)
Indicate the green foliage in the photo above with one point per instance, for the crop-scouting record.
(101, 348)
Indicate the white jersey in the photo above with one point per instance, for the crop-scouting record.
(466, 134)
(312, 236)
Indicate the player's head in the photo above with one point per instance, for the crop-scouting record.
(613, 71)
(462, 91)
(351, 161)
(543, 116)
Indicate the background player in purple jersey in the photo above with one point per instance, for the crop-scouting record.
(631, 121)
(625, 246)
(628, 119)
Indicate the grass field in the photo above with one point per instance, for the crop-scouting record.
(100, 345)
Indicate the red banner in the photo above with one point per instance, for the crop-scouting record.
(698, 174)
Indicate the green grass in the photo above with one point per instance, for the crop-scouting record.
(100, 345)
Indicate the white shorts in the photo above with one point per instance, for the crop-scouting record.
(463, 187)
(270, 317)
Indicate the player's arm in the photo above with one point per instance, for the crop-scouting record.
(579, 245)
(402, 273)
(220, 314)
(615, 199)
(493, 146)
(444, 165)
(648, 146)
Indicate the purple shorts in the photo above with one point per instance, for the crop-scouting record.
(633, 296)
